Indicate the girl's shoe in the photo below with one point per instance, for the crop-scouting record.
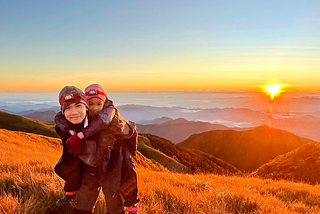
(133, 209)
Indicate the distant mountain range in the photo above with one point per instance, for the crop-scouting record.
(42, 115)
(303, 124)
(307, 126)
(236, 117)
(246, 150)
(179, 129)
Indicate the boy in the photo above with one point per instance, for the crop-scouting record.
(104, 118)
(74, 109)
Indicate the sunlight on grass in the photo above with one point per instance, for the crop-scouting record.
(29, 185)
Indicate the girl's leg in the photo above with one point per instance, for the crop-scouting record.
(88, 192)
(114, 202)
(76, 211)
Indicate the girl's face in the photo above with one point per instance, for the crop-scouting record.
(95, 105)
(75, 112)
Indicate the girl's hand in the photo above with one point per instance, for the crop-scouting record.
(80, 135)
(72, 132)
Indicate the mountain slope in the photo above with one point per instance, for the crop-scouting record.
(146, 149)
(196, 161)
(246, 150)
(47, 115)
(300, 165)
(179, 129)
(20, 123)
(18, 149)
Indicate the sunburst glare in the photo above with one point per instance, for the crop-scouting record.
(273, 90)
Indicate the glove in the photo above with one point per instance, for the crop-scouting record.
(73, 141)
(75, 144)
(75, 150)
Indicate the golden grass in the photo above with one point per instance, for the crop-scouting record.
(28, 185)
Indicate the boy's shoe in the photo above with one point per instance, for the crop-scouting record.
(65, 200)
(133, 209)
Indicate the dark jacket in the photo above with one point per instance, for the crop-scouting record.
(68, 165)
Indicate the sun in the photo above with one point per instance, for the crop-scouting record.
(273, 90)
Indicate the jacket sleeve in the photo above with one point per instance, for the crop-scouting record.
(103, 120)
(62, 128)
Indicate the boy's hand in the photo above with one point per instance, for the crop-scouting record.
(75, 150)
(74, 140)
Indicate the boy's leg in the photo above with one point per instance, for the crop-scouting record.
(69, 170)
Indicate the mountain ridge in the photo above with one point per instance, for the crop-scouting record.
(246, 150)
(21, 123)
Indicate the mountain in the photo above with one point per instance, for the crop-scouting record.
(179, 129)
(307, 126)
(21, 123)
(23, 107)
(300, 165)
(42, 115)
(155, 121)
(246, 150)
(145, 148)
(196, 161)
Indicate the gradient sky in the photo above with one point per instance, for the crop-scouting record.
(159, 45)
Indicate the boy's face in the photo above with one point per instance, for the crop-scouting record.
(95, 105)
(75, 112)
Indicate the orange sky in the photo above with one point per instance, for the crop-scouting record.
(155, 46)
(196, 78)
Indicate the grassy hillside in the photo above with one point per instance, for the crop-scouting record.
(246, 150)
(301, 165)
(145, 147)
(28, 185)
(196, 161)
(20, 123)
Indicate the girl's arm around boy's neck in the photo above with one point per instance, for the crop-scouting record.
(80, 134)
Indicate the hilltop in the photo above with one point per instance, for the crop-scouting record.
(246, 150)
(20, 123)
(196, 161)
(300, 165)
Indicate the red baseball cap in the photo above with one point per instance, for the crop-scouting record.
(95, 91)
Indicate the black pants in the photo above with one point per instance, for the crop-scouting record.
(68, 168)
(89, 190)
